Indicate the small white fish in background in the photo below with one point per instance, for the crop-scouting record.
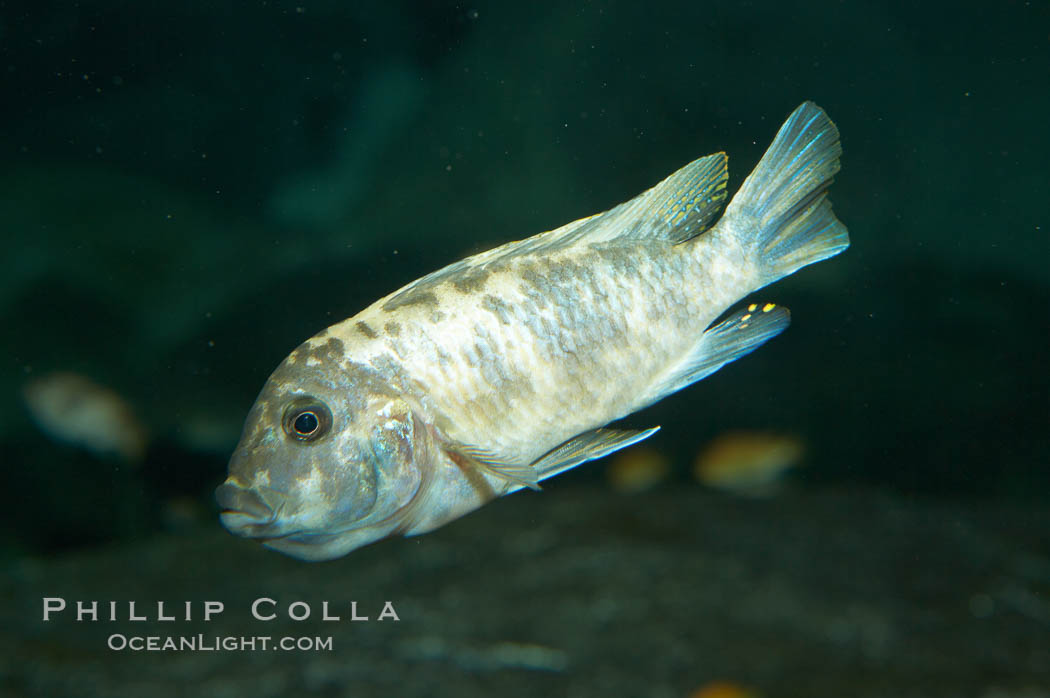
(501, 370)
(73, 409)
(749, 463)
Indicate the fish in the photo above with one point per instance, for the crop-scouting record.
(73, 409)
(505, 368)
(637, 470)
(723, 689)
(748, 463)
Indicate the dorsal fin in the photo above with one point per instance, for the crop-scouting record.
(680, 207)
(677, 209)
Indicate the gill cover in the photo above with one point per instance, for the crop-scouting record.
(389, 458)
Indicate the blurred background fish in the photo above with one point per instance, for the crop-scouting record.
(749, 463)
(637, 469)
(76, 410)
(723, 689)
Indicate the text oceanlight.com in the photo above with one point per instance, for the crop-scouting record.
(216, 643)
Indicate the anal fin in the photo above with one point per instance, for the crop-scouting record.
(738, 335)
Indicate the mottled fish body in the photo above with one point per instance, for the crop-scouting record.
(502, 369)
(535, 348)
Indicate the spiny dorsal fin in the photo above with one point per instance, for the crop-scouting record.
(675, 210)
(552, 239)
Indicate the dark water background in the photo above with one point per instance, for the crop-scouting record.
(188, 190)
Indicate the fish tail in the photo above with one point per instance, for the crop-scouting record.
(782, 215)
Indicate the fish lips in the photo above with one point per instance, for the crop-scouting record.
(245, 512)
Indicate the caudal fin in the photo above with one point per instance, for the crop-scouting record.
(781, 211)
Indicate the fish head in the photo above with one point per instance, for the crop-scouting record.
(328, 458)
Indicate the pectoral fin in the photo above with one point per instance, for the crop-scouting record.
(589, 445)
(492, 465)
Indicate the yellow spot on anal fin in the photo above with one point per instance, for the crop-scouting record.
(752, 308)
(768, 306)
(746, 318)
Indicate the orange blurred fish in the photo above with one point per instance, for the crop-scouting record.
(722, 689)
(637, 470)
(748, 462)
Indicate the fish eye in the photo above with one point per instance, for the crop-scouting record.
(307, 419)
(306, 423)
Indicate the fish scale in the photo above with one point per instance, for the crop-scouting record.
(638, 305)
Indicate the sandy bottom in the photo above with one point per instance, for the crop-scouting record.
(573, 591)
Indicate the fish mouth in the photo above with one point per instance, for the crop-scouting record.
(245, 511)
